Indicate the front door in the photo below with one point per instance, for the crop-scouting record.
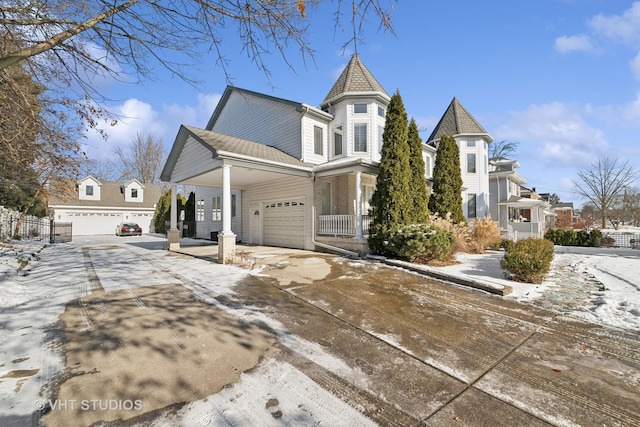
(255, 223)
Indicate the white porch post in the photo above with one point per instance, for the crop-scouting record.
(173, 235)
(226, 238)
(359, 234)
(226, 199)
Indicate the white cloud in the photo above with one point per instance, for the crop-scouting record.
(624, 115)
(625, 27)
(559, 134)
(136, 116)
(635, 66)
(566, 44)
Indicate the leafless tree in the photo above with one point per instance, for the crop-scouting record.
(114, 37)
(141, 160)
(603, 183)
(502, 149)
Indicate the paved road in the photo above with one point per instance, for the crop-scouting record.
(399, 348)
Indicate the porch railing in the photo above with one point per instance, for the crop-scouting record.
(342, 225)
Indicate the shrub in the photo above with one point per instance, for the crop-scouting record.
(570, 237)
(485, 233)
(463, 239)
(378, 239)
(528, 260)
(419, 242)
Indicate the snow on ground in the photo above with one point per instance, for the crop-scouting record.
(599, 285)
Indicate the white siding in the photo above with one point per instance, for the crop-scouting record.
(204, 228)
(128, 193)
(82, 189)
(194, 159)
(474, 183)
(308, 123)
(287, 188)
(261, 120)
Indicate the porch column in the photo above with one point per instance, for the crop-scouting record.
(173, 235)
(359, 234)
(226, 238)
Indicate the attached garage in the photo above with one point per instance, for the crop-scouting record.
(284, 223)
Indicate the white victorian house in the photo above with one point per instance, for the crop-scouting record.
(275, 172)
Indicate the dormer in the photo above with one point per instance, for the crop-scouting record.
(89, 188)
(133, 191)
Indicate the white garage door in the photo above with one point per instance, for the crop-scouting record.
(284, 223)
(90, 223)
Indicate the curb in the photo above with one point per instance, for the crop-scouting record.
(494, 288)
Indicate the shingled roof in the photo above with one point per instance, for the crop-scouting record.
(456, 121)
(232, 145)
(355, 78)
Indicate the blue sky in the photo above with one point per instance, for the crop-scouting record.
(560, 77)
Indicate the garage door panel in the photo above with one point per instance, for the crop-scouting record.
(284, 223)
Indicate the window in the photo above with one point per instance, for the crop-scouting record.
(484, 164)
(360, 137)
(317, 141)
(367, 193)
(233, 206)
(337, 142)
(471, 206)
(199, 210)
(326, 198)
(471, 144)
(471, 162)
(216, 209)
(381, 111)
(89, 190)
(134, 193)
(360, 108)
(380, 132)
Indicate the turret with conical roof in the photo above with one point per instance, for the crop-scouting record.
(355, 80)
(456, 120)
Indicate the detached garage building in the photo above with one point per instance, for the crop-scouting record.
(97, 207)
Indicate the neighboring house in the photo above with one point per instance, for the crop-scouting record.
(299, 176)
(519, 211)
(473, 142)
(97, 207)
(564, 214)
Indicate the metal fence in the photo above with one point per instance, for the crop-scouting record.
(32, 228)
(622, 239)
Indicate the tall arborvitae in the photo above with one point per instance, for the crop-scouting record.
(390, 203)
(418, 187)
(446, 196)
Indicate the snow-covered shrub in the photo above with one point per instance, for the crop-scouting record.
(485, 233)
(528, 260)
(419, 243)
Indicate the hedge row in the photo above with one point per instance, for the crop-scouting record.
(570, 237)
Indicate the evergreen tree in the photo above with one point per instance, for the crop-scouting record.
(418, 187)
(390, 203)
(446, 196)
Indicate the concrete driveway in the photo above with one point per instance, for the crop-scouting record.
(311, 338)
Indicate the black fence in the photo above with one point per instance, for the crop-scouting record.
(33, 228)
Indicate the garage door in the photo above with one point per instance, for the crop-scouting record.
(90, 223)
(284, 224)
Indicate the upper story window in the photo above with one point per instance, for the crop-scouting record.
(134, 193)
(360, 108)
(381, 111)
(380, 133)
(318, 146)
(89, 190)
(360, 137)
(337, 142)
(471, 144)
(471, 162)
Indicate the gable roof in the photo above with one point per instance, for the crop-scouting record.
(355, 78)
(456, 120)
(229, 145)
